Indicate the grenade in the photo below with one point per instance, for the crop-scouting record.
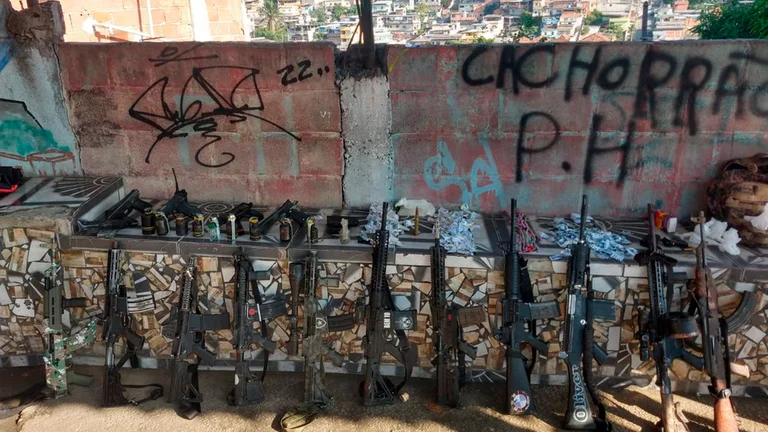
(197, 225)
(148, 222)
(161, 224)
(181, 225)
(254, 230)
(286, 230)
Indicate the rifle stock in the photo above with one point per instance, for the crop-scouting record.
(519, 314)
(190, 327)
(383, 319)
(248, 387)
(578, 338)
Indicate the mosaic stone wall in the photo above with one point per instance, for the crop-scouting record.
(153, 286)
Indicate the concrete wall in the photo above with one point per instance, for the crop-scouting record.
(626, 123)
(34, 128)
(237, 122)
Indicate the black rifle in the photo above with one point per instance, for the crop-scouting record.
(578, 339)
(385, 330)
(178, 204)
(519, 311)
(662, 329)
(317, 324)
(190, 327)
(447, 321)
(116, 323)
(248, 388)
(714, 328)
(118, 216)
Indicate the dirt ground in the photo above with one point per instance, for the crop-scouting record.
(630, 409)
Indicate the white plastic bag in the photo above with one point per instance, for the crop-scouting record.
(729, 241)
(760, 221)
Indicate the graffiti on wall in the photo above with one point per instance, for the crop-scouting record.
(27, 144)
(203, 103)
(441, 171)
(633, 103)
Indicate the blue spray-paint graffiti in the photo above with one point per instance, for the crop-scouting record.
(440, 172)
(6, 43)
(27, 144)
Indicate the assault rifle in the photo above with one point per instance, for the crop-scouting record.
(317, 324)
(385, 330)
(190, 327)
(60, 347)
(578, 339)
(518, 312)
(118, 216)
(248, 388)
(447, 321)
(715, 339)
(116, 323)
(179, 204)
(662, 329)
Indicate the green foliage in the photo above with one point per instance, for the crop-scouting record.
(616, 31)
(422, 10)
(484, 41)
(594, 18)
(352, 10)
(734, 21)
(338, 11)
(320, 36)
(319, 15)
(529, 26)
(271, 14)
(279, 35)
(490, 7)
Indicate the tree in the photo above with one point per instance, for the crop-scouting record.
(272, 15)
(422, 10)
(338, 11)
(320, 36)
(490, 7)
(484, 41)
(279, 35)
(319, 15)
(617, 32)
(529, 26)
(594, 18)
(734, 21)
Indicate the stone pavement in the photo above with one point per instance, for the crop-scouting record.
(630, 409)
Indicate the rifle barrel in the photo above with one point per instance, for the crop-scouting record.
(583, 218)
(652, 232)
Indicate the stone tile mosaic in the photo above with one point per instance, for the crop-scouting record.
(153, 282)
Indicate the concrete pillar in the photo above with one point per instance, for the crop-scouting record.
(367, 150)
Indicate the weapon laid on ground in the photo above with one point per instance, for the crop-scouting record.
(447, 321)
(578, 338)
(316, 325)
(518, 312)
(288, 209)
(118, 216)
(240, 211)
(662, 329)
(116, 323)
(190, 327)
(178, 203)
(714, 329)
(60, 347)
(248, 388)
(385, 330)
